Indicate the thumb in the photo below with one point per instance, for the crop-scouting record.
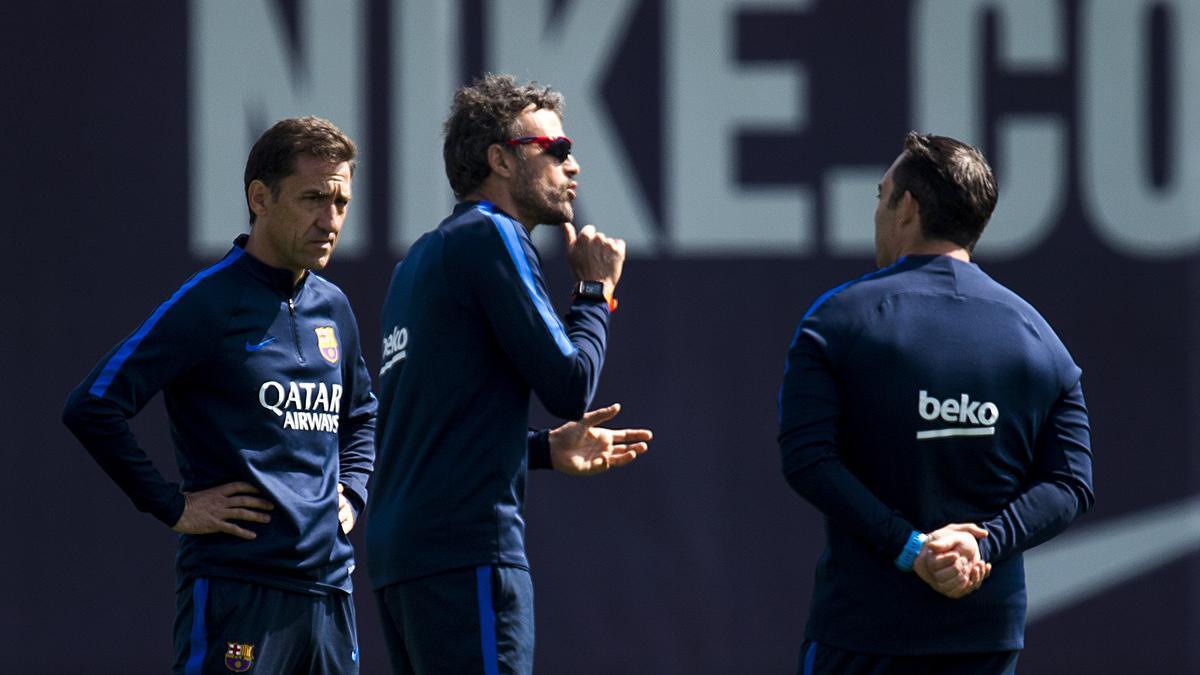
(569, 233)
(600, 415)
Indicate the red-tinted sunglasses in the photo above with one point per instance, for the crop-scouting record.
(558, 147)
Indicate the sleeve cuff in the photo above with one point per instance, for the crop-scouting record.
(985, 548)
(172, 511)
(356, 501)
(538, 447)
(609, 306)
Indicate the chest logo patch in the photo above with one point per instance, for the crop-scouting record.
(327, 343)
(239, 657)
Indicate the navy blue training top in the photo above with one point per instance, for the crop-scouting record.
(263, 383)
(917, 396)
(468, 333)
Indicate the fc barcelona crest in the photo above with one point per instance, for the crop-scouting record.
(239, 657)
(328, 344)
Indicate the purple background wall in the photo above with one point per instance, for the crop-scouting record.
(696, 559)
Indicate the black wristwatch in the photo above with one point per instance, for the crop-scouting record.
(590, 290)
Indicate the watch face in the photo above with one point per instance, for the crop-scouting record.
(593, 288)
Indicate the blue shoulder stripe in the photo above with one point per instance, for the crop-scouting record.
(816, 305)
(838, 289)
(130, 346)
(512, 242)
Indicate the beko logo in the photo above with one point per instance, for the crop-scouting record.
(395, 348)
(961, 410)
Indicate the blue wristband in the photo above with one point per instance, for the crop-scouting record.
(909, 555)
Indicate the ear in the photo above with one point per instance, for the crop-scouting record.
(908, 210)
(502, 163)
(258, 196)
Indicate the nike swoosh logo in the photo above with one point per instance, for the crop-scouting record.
(1079, 565)
(255, 347)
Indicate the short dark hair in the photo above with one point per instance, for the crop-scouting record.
(274, 154)
(483, 113)
(952, 184)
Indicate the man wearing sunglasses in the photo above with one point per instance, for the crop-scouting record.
(469, 333)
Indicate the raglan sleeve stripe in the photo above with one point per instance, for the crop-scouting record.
(129, 346)
(497, 269)
(176, 336)
(512, 244)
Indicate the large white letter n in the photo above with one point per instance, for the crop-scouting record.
(246, 72)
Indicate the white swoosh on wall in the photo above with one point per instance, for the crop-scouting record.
(1079, 565)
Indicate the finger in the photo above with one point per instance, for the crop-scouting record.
(959, 568)
(588, 231)
(238, 487)
(954, 592)
(599, 464)
(961, 544)
(955, 589)
(628, 435)
(948, 554)
(923, 573)
(229, 528)
(619, 244)
(341, 488)
(940, 563)
(615, 460)
(972, 586)
(975, 576)
(248, 515)
(569, 233)
(945, 575)
(600, 415)
(250, 503)
(635, 448)
(940, 550)
(942, 574)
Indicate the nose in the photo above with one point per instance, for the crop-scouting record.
(330, 218)
(571, 166)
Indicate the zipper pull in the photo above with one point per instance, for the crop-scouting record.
(291, 306)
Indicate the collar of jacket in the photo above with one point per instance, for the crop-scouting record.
(279, 280)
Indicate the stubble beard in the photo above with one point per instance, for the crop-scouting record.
(548, 206)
